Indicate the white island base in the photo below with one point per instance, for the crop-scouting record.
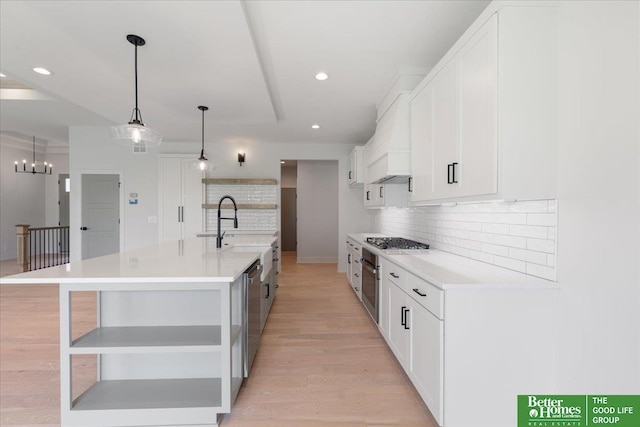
(167, 354)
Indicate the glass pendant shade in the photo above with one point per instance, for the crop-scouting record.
(202, 163)
(135, 133)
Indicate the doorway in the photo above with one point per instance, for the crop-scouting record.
(288, 201)
(100, 215)
(64, 187)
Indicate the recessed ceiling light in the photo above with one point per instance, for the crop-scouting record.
(315, 126)
(282, 162)
(322, 76)
(42, 71)
(2, 75)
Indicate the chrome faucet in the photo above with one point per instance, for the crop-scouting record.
(235, 219)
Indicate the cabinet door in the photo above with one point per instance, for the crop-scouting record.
(192, 211)
(353, 168)
(445, 130)
(477, 169)
(349, 264)
(398, 334)
(383, 301)
(422, 145)
(170, 177)
(426, 364)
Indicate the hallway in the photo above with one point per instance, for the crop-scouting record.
(321, 361)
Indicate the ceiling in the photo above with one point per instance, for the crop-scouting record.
(251, 62)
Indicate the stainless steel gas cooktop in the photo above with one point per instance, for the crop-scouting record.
(395, 243)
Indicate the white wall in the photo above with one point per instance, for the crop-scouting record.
(91, 149)
(317, 210)
(22, 196)
(598, 337)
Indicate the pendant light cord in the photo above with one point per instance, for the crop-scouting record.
(202, 152)
(34, 149)
(135, 67)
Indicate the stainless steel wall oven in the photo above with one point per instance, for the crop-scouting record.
(370, 283)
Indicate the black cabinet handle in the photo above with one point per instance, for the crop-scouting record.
(178, 213)
(349, 174)
(84, 228)
(449, 181)
(410, 186)
(403, 319)
(348, 258)
(453, 170)
(394, 275)
(417, 291)
(368, 195)
(267, 286)
(356, 274)
(381, 188)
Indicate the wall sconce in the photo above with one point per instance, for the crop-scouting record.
(241, 158)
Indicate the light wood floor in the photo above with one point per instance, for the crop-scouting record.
(321, 360)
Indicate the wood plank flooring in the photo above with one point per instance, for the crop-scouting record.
(321, 360)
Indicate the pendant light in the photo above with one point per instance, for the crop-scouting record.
(35, 166)
(202, 163)
(135, 133)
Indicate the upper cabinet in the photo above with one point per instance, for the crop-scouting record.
(482, 122)
(355, 175)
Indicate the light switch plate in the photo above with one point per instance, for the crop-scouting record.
(153, 219)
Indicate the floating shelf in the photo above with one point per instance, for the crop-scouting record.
(238, 181)
(151, 339)
(241, 206)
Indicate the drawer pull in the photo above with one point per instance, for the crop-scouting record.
(418, 292)
(394, 275)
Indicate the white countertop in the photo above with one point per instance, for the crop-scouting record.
(449, 271)
(190, 260)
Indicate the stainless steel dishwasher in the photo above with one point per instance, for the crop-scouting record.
(252, 287)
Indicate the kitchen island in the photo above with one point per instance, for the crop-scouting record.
(168, 342)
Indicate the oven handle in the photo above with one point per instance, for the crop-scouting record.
(370, 267)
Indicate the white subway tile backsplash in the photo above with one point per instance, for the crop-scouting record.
(541, 271)
(511, 241)
(528, 231)
(514, 235)
(495, 249)
(539, 206)
(511, 264)
(495, 228)
(548, 246)
(529, 256)
(541, 219)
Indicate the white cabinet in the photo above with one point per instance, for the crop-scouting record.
(180, 197)
(166, 353)
(453, 343)
(385, 195)
(269, 288)
(354, 266)
(399, 338)
(482, 122)
(414, 334)
(355, 175)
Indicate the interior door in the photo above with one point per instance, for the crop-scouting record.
(100, 215)
(289, 219)
(63, 208)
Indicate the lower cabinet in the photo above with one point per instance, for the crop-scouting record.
(469, 349)
(414, 334)
(354, 266)
(269, 287)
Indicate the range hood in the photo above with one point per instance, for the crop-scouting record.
(389, 154)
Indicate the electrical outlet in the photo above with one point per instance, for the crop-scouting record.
(152, 219)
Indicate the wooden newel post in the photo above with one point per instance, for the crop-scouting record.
(22, 246)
